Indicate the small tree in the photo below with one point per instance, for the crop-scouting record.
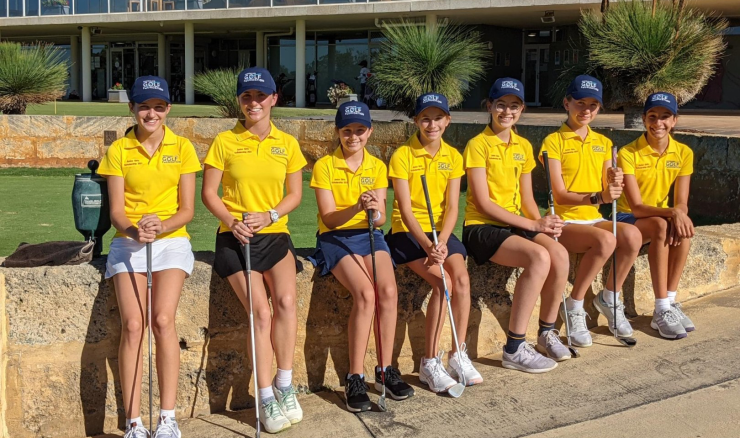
(220, 86)
(415, 60)
(637, 48)
(30, 74)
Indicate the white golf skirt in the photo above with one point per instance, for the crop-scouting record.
(128, 255)
(589, 222)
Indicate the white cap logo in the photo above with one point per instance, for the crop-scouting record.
(591, 85)
(431, 98)
(353, 111)
(661, 97)
(253, 77)
(151, 85)
(509, 84)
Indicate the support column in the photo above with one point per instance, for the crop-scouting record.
(260, 52)
(300, 63)
(161, 56)
(189, 63)
(74, 65)
(431, 21)
(86, 66)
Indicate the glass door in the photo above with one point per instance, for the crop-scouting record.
(123, 66)
(535, 77)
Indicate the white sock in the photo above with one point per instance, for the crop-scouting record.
(662, 304)
(609, 296)
(266, 394)
(136, 420)
(166, 413)
(572, 304)
(283, 379)
(672, 296)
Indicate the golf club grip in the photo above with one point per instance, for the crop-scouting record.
(550, 199)
(429, 207)
(149, 264)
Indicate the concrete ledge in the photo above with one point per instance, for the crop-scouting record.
(60, 328)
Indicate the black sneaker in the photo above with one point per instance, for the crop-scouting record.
(397, 388)
(355, 394)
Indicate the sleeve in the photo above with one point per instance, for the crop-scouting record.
(111, 163)
(552, 146)
(457, 165)
(296, 160)
(529, 163)
(474, 154)
(626, 160)
(189, 158)
(321, 175)
(381, 179)
(687, 162)
(215, 155)
(399, 165)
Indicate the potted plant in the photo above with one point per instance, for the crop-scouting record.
(55, 7)
(117, 93)
(339, 93)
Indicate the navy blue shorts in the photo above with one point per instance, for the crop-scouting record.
(333, 246)
(483, 241)
(405, 248)
(627, 218)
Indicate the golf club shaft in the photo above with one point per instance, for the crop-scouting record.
(248, 260)
(149, 323)
(614, 255)
(371, 228)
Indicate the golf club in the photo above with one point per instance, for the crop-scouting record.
(624, 340)
(248, 258)
(371, 228)
(551, 202)
(149, 323)
(456, 390)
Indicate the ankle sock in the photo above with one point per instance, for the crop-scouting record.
(545, 327)
(572, 304)
(283, 379)
(662, 304)
(130, 421)
(379, 369)
(166, 413)
(266, 395)
(513, 341)
(609, 296)
(362, 376)
(672, 296)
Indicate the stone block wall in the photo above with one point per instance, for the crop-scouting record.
(60, 329)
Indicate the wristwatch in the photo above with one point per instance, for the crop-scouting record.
(274, 216)
(594, 199)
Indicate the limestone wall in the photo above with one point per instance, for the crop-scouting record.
(61, 141)
(60, 328)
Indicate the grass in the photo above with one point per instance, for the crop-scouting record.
(67, 108)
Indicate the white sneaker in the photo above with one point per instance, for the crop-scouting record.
(136, 431)
(527, 359)
(668, 324)
(435, 375)
(459, 364)
(550, 344)
(288, 403)
(167, 428)
(272, 417)
(579, 334)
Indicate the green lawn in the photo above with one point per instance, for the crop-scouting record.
(67, 108)
(36, 207)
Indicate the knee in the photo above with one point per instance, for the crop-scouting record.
(388, 294)
(632, 238)
(285, 304)
(262, 317)
(559, 259)
(659, 229)
(538, 260)
(365, 301)
(462, 285)
(605, 245)
(132, 327)
(162, 323)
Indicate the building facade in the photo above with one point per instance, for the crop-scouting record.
(114, 41)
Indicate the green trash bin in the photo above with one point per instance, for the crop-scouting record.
(90, 206)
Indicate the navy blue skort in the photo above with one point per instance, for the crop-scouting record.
(333, 246)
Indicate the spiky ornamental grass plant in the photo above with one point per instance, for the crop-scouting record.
(30, 74)
(415, 60)
(220, 86)
(637, 48)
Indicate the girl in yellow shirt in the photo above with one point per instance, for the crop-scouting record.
(151, 186)
(582, 177)
(503, 225)
(652, 164)
(351, 184)
(256, 163)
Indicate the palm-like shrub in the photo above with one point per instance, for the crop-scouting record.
(220, 86)
(637, 48)
(415, 60)
(30, 74)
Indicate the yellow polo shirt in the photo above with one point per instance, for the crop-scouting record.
(254, 171)
(582, 164)
(504, 163)
(410, 161)
(655, 173)
(332, 173)
(151, 183)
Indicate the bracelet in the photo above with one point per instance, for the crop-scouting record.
(377, 216)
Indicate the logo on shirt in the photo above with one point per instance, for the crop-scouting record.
(672, 164)
(509, 84)
(275, 150)
(494, 157)
(590, 85)
(253, 77)
(353, 111)
(431, 98)
(339, 181)
(599, 149)
(131, 162)
(444, 166)
(570, 151)
(243, 151)
(643, 166)
(151, 85)
(367, 180)
(660, 98)
(518, 157)
(170, 159)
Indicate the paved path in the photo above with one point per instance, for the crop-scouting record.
(671, 389)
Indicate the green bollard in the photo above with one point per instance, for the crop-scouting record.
(90, 206)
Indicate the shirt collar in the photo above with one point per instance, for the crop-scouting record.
(496, 140)
(339, 162)
(568, 133)
(418, 150)
(644, 148)
(170, 138)
(241, 133)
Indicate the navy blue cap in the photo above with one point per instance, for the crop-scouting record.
(505, 87)
(353, 112)
(585, 86)
(432, 100)
(255, 78)
(150, 87)
(666, 100)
